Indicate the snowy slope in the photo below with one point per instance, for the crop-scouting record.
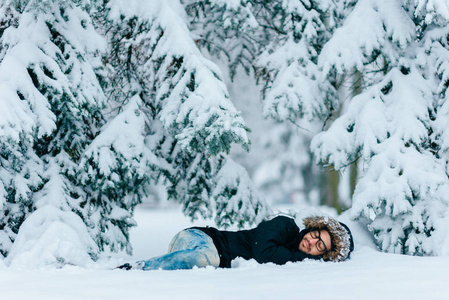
(369, 274)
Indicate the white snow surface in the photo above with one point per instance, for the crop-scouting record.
(369, 274)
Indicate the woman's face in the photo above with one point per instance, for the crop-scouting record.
(314, 244)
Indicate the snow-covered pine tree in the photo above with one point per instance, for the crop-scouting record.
(186, 121)
(19, 167)
(294, 93)
(116, 169)
(395, 126)
(288, 65)
(50, 87)
(227, 29)
(280, 42)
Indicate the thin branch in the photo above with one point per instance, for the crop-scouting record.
(300, 127)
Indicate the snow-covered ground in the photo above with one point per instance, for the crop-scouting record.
(369, 274)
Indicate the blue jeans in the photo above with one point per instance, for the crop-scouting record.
(189, 248)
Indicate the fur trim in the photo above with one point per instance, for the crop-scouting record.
(340, 234)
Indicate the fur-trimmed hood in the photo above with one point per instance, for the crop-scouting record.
(342, 241)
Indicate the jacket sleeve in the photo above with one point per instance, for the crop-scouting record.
(271, 238)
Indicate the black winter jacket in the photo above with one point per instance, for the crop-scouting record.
(275, 241)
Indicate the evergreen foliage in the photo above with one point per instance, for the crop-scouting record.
(278, 43)
(293, 87)
(74, 165)
(50, 85)
(227, 28)
(103, 100)
(188, 122)
(395, 125)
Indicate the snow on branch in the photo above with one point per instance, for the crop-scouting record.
(382, 28)
(294, 88)
(390, 128)
(190, 96)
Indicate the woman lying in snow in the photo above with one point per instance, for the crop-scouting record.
(277, 241)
